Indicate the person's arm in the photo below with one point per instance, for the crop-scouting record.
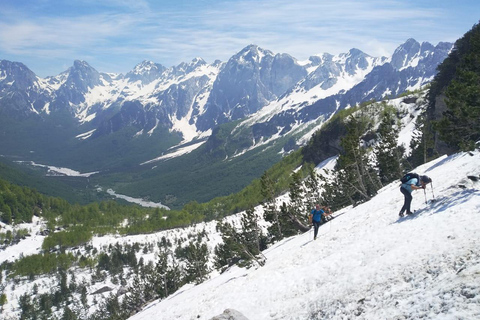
(415, 187)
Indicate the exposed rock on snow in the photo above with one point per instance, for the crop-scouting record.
(230, 314)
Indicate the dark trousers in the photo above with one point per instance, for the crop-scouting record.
(316, 225)
(407, 202)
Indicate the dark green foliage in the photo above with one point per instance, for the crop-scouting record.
(3, 300)
(38, 264)
(270, 211)
(297, 196)
(325, 143)
(354, 179)
(111, 309)
(18, 204)
(459, 80)
(388, 154)
(422, 144)
(72, 237)
(312, 188)
(208, 172)
(335, 193)
(117, 258)
(167, 276)
(243, 245)
(27, 307)
(68, 314)
(195, 257)
(252, 235)
(460, 125)
(294, 216)
(288, 221)
(356, 176)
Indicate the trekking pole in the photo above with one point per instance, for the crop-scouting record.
(432, 192)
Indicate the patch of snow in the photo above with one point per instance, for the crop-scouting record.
(142, 202)
(46, 108)
(58, 171)
(178, 152)
(86, 135)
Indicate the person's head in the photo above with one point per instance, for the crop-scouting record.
(317, 206)
(425, 180)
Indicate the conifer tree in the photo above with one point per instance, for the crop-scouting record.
(241, 246)
(165, 276)
(252, 236)
(133, 301)
(356, 178)
(294, 216)
(195, 259)
(296, 195)
(422, 143)
(459, 78)
(312, 188)
(3, 300)
(270, 211)
(333, 193)
(387, 152)
(225, 253)
(460, 125)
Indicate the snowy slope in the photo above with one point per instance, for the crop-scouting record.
(366, 264)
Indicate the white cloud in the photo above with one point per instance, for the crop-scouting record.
(121, 32)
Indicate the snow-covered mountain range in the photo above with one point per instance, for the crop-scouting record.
(249, 111)
(278, 92)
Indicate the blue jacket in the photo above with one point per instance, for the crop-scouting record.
(408, 185)
(317, 215)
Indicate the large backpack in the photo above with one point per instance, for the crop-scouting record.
(409, 176)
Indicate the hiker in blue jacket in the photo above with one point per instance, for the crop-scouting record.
(316, 218)
(407, 189)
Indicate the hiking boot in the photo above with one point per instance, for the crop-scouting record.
(409, 212)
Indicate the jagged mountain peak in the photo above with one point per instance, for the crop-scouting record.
(252, 52)
(185, 68)
(405, 53)
(410, 42)
(354, 52)
(11, 72)
(319, 59)
(146, 66)
(198, 60)
(10, 67)
(81, 64)
(81, 71)
(146, 72)
(411, 45)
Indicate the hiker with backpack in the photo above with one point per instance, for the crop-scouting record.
(410, 182)
(317, 216)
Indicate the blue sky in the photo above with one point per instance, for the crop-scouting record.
(116, 35)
